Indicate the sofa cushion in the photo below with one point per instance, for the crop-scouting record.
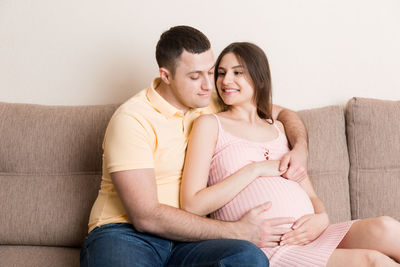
(33, 256)
(328, 164)
(50, 170)
(373, 133)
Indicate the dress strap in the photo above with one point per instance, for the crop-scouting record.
(220, 137)
(280, 133)
(219, 122)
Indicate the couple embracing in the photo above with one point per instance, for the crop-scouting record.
(152, 205)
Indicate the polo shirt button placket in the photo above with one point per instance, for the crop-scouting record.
(180, 120)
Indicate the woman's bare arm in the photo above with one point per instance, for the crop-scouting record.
(195, 196)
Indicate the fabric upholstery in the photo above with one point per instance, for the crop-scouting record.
(328, 164)
(50, 170)
(34, 256)
(373, 133)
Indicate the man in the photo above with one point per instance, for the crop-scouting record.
(136, 220)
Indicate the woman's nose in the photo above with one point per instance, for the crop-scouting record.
(227, 79)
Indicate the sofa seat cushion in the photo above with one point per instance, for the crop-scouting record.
(33, 256)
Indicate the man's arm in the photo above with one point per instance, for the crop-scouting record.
(295, 162)
(138, 193)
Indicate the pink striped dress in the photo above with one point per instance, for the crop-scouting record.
(287, 197)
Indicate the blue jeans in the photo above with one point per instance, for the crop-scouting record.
(119, 244)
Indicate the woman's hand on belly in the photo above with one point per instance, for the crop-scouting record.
(266, 168)
(306, 229)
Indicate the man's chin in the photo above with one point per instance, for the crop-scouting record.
(203, 104)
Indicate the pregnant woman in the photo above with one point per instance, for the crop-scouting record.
(232, 164)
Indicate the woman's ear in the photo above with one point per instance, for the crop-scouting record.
(165, 75)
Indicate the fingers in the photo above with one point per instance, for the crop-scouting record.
(291, 173)
(280, 231)
(299, 239)
(277, 170)
(256, 211)
(284, 163)
(298, 227)
(291, 167)
(301, 236)
(272, 241)
(295, 173)
(300, 221)
(273, 233)
(274, 238)
(280, 220)
(270, 168)
(292, 235)
(262, 208)
(299, 173)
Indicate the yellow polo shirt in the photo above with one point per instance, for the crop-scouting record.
(144, 132)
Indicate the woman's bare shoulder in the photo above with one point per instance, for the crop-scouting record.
(206, 118)
(206, 121)
(205, 127)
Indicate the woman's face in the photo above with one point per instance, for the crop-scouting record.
(234, 84)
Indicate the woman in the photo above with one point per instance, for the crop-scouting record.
(232, 166)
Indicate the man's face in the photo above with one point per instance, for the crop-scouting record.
(193, 81)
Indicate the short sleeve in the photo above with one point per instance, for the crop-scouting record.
(127, 144)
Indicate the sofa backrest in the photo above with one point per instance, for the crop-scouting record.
(50, 166)
(328, 164)
(373, 136)
(50, 171)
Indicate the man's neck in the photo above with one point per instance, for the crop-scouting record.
(165, 92)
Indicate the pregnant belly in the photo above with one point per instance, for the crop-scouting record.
(287, 197)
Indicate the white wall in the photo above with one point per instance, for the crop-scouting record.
(94, 52)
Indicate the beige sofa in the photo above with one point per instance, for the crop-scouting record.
(50, 170)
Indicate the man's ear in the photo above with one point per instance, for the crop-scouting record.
(165, 75)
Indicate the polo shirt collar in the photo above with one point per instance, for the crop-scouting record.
(159, 103)
(162, 105)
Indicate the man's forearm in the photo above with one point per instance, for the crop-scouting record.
(295, 129)
(176, 224)
(254, 226)
(137, 190)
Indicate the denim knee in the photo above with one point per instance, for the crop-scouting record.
(120, 245)
(245, 253)
(217, 253)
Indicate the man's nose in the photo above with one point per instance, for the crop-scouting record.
(207, 83)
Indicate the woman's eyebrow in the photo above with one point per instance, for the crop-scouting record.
(234, 67)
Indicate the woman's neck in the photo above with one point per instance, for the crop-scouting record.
(246, 113)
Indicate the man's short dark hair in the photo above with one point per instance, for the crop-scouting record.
(175, 40)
